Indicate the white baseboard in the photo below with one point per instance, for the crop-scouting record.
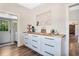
(6, 44)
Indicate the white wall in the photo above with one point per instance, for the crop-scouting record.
(57, 16)
(26, 16)
(74, 15)
(58, 19)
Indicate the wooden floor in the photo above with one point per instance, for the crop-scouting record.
(73, 46)
(12, 50)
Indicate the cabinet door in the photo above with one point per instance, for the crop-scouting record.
(35, 42)
(48, 49)
(27, 40)
(51, 46)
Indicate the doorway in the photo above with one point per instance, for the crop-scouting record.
(74, 30)
(4, 31)
(15, 34)
(8, 30)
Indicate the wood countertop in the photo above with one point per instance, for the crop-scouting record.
(47, 34)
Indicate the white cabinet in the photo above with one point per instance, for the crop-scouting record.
(35, 43)
(51, 46)
(45, 45)
(27, 40)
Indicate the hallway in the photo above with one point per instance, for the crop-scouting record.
(73, 46)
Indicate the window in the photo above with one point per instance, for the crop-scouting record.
(3, 25)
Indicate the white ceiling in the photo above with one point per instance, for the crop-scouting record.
(74, 8)
(29, 5)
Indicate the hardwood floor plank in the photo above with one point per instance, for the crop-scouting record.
(73, 46)
(12, 50)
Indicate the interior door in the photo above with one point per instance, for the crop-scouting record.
(4, 31)
(72, 29)
(15, 31)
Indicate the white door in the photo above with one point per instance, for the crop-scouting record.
(4, 31)
(15, 31)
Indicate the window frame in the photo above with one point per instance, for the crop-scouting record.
(3, 25)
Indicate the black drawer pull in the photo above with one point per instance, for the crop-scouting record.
(49, 38)
(49, 45)
(34, 41)
(34, 46)
(34, 36)
(48, 53)
(26, 38)
(26, 43)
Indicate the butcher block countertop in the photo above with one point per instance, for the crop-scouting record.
(47, 34)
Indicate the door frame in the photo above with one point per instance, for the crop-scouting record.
(67, 21)
(14, 21)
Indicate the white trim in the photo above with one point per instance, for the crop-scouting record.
(6, 44)
(67, 24)
(67, 31)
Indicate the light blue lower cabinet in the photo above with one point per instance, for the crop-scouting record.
(35, 42)
(46, 46)
(50, 50)
(36, 48)
(27, 40)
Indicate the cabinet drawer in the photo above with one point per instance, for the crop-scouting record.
(51, 49)
(26, 38)
(26, 42)
(52, 40)
(36, 48)
(34, 35)
(35, 38)
(46, 53)
(35, 43)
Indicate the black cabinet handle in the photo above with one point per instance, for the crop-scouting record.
(26, 38)
(49, 45)
(34, 41)
(34, 46)
(49, 53)
(26, 43)
(49, 38)
(34, 36)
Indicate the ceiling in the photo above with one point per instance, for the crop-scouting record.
(76, 7)
(29, 5)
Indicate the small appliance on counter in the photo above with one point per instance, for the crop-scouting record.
(52, 31)
(33, 29)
